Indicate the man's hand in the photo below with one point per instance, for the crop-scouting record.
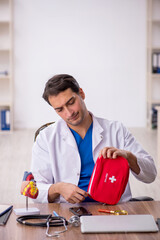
(70, 192)
(111, 152)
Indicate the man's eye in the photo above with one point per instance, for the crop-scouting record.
(71, 102)
(59, 110)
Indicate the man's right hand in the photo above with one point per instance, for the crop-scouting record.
(70, 192)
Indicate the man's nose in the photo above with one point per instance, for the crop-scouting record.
(68, 112)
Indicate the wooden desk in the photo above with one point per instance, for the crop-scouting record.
(16, 231)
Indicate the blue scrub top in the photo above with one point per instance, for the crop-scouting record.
(87, 163)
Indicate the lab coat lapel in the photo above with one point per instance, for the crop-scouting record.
(68, 137)
(97, 135)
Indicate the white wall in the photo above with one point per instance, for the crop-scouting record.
(102, 43)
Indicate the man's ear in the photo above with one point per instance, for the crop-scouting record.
(81, 93)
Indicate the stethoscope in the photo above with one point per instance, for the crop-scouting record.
(50, 221)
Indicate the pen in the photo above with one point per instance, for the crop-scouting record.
(55, 214)
(5, 211)
(116, 212)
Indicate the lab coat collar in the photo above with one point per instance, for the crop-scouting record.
(97, 134)
(67, 136)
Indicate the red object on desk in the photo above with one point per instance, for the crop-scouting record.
(29, 188)
(116, 212)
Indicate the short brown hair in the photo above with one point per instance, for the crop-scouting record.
(59, 83)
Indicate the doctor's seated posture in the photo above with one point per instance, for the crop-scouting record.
(64, 153)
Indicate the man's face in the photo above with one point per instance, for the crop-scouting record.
(70, 106)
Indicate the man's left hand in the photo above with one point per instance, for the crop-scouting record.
(111, 152)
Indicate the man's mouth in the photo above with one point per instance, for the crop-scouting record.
(73, 117)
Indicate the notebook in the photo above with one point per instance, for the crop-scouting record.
(5, 211)
(120, 223)
(4, 217)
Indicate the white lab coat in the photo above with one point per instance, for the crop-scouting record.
(55, 156)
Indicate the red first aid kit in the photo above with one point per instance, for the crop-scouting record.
(109, 179)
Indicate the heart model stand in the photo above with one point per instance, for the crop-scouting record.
(28, 189)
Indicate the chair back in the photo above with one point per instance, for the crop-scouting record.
(41, 128)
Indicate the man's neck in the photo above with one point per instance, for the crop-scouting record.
(82, 128)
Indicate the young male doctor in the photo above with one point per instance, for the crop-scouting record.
(64, 153)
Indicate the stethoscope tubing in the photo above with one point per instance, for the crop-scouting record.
(54, 221)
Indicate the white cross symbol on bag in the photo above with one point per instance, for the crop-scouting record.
(112, 179)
